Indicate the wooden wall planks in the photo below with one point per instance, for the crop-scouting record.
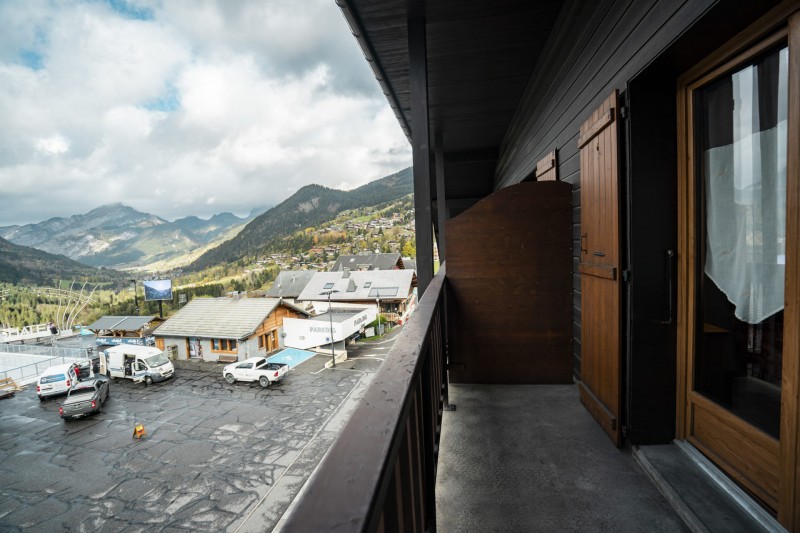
(601, 377)
(509, 276)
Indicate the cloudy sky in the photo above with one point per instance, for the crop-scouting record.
(183, 107)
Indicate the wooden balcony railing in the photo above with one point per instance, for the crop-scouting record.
(380, 473)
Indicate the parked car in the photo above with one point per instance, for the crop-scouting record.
(57, 379)
(255, 369)
(85, 398)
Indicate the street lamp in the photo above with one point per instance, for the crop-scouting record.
(330, 314)
(378, 300)
(135, 297)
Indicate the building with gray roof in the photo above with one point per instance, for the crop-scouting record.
(410, 264)
(113, 329)
(289, 284)
(228, 329)
(391, 290)
(362, 262)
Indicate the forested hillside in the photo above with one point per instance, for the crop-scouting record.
(310, 206)
(21, 265)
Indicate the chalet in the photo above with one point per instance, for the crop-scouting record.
(632, 168)
(391, 292)
(227, 329)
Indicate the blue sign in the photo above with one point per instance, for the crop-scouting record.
(138, 341)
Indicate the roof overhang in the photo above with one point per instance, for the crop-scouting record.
(480, 58)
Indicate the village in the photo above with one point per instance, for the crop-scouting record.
(202, 376)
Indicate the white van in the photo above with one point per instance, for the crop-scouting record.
(139, 363)
(58, 379)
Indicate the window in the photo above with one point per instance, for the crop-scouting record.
(741, 139)
(367, 284)
(328, 286)
(268, 341)
(223, 345)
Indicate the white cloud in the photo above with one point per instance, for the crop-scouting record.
(203, 107)
(53, 145)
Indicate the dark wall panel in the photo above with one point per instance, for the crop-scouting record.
(510, 287)
(594, 48)
(652, 234)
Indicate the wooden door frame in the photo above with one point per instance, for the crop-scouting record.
(780, 24)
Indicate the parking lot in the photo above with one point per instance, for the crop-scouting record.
(216, 456)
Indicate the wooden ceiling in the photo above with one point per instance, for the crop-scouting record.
(480, 57)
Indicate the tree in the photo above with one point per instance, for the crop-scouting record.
(409, 250)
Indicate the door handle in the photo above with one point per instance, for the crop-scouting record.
(670, 297)
(584, 249)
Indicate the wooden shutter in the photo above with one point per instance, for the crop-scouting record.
(546, 168)
(600, 385)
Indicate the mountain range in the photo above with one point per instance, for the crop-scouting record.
(118, 236)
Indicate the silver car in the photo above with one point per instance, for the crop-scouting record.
(86, 398)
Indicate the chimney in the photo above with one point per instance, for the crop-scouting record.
(346, 273)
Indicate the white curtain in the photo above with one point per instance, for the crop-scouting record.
(746, 205)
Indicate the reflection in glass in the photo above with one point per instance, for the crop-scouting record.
(741, 137)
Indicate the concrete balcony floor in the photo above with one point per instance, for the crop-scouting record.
(531, 458)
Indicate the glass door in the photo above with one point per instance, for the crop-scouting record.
(740, 121)
(734, 258)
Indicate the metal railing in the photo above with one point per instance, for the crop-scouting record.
(380, 474)
(53, 355)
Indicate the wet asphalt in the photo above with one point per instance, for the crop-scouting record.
(214, 457)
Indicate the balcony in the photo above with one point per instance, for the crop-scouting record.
(509, 458)
(532, 458)
(512, 456)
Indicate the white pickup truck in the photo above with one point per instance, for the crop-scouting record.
(255, 369)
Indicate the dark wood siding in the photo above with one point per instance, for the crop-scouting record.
(593, 49)
(509, 287)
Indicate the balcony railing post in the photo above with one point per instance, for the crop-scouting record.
(429, 423)
(380, 474)
(447, 406)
